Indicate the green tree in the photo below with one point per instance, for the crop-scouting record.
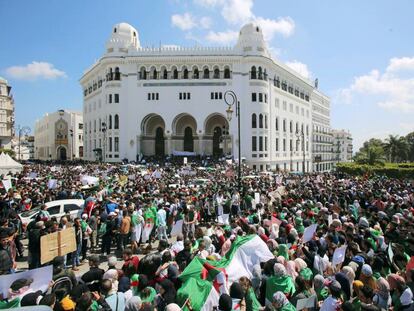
(371, 152)
(8, 151)
(409, 138)
(396, 148)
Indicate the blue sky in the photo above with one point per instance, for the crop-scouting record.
(362, 52)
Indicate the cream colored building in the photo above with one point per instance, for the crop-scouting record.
(6, 115)
(59, 136)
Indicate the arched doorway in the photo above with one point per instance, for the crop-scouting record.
(217, 137)
(61, 153)
(159, 142)
(188, 139)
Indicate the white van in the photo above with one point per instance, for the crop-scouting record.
(56, 209)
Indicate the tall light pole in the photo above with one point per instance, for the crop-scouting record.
(230, 99)
(71, 148)
(22, 130)
(103, 129)
(301, 136)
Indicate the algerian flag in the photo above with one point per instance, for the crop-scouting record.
(203, 279)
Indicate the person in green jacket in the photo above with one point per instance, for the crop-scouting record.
(280, 302)
(252, 304)
(281, 281)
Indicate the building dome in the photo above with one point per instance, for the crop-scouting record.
(3, 81)
(251, 40)
(122, 38)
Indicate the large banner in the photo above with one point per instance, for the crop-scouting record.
(57, 244)
(41, 278)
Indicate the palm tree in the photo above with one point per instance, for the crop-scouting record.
(396, 148)
(371, 155)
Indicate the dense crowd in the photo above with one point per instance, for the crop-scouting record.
(373, 217)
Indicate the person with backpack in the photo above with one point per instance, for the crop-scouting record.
(64, 279)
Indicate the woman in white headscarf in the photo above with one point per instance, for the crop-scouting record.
(133, 304)
(112, 275)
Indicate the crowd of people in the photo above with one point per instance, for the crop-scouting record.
(130, 213)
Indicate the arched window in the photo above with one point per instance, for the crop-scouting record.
(143, 73)
(117, 74)
(196, 73)
(265, 121)
(110, 122)
(165, 74)
(253, 73)
(260, 121)
(260, 74)
(116, 122)
(185, 73)
(254, 121)
(154, 74)
(206, 74)
(175, 73)
(216, 73)
(226, 73)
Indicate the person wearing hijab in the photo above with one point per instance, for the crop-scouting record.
(252, 304)
(291, 269)
(281, 281)
(133, 304)
(225, 303)
(402, 296)
(334, 299)
(166, 294)
(281, 303)
(382, 297)
(366, 276)
(256, 279)
(345, 284)
(112, 275)
(283, 251)
(350, 274)
(319, 285)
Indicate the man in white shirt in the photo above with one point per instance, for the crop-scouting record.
(162, 223)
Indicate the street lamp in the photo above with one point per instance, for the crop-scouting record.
(103, 129)
(301, 136)
(71, 148)
(25, 130)
(230, 99)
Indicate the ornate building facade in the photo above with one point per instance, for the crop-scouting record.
(170, 100)
(6, 115)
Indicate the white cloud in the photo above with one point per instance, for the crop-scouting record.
(224, 37)
(407, 126)
(185, 21)
(208, 3)
(389, 90)
(300, 68)
(34, 71)
(205, 22)
(401, 64)
(284, 26)
(237, 12)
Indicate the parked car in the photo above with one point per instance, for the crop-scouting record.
(57, 209)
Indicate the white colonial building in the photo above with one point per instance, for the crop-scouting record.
(170, 100)
(342, 145)
(6, 115)
(59, 136)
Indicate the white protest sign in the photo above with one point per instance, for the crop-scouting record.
(223, 219)
(185, 160)
(257, 197)
(52, 184)
(41, 278)
(329, 220)
(177, 228)
(156, 174)
(33, 175)
(306, 303)
(7, 184)
(339, 255)
(309, 232)
(146, 232)
(89, 180)
(390, 252)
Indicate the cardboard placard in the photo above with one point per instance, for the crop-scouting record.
(177, 228)
(57, 244)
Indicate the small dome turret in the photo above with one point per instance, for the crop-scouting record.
(251, 40)
(122, 38)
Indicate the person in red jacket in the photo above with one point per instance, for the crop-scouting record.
(131, 263)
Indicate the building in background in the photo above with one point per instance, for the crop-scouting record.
(6, 115)
(170, 100)
(25, 149)
(59, 136)
(322, 137)
(342, 146)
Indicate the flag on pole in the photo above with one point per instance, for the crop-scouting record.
(203, 279)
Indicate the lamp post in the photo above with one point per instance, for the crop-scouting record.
(230, 99)
(71, 148)
(301, 136)
(103, 129)
(22, 130)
